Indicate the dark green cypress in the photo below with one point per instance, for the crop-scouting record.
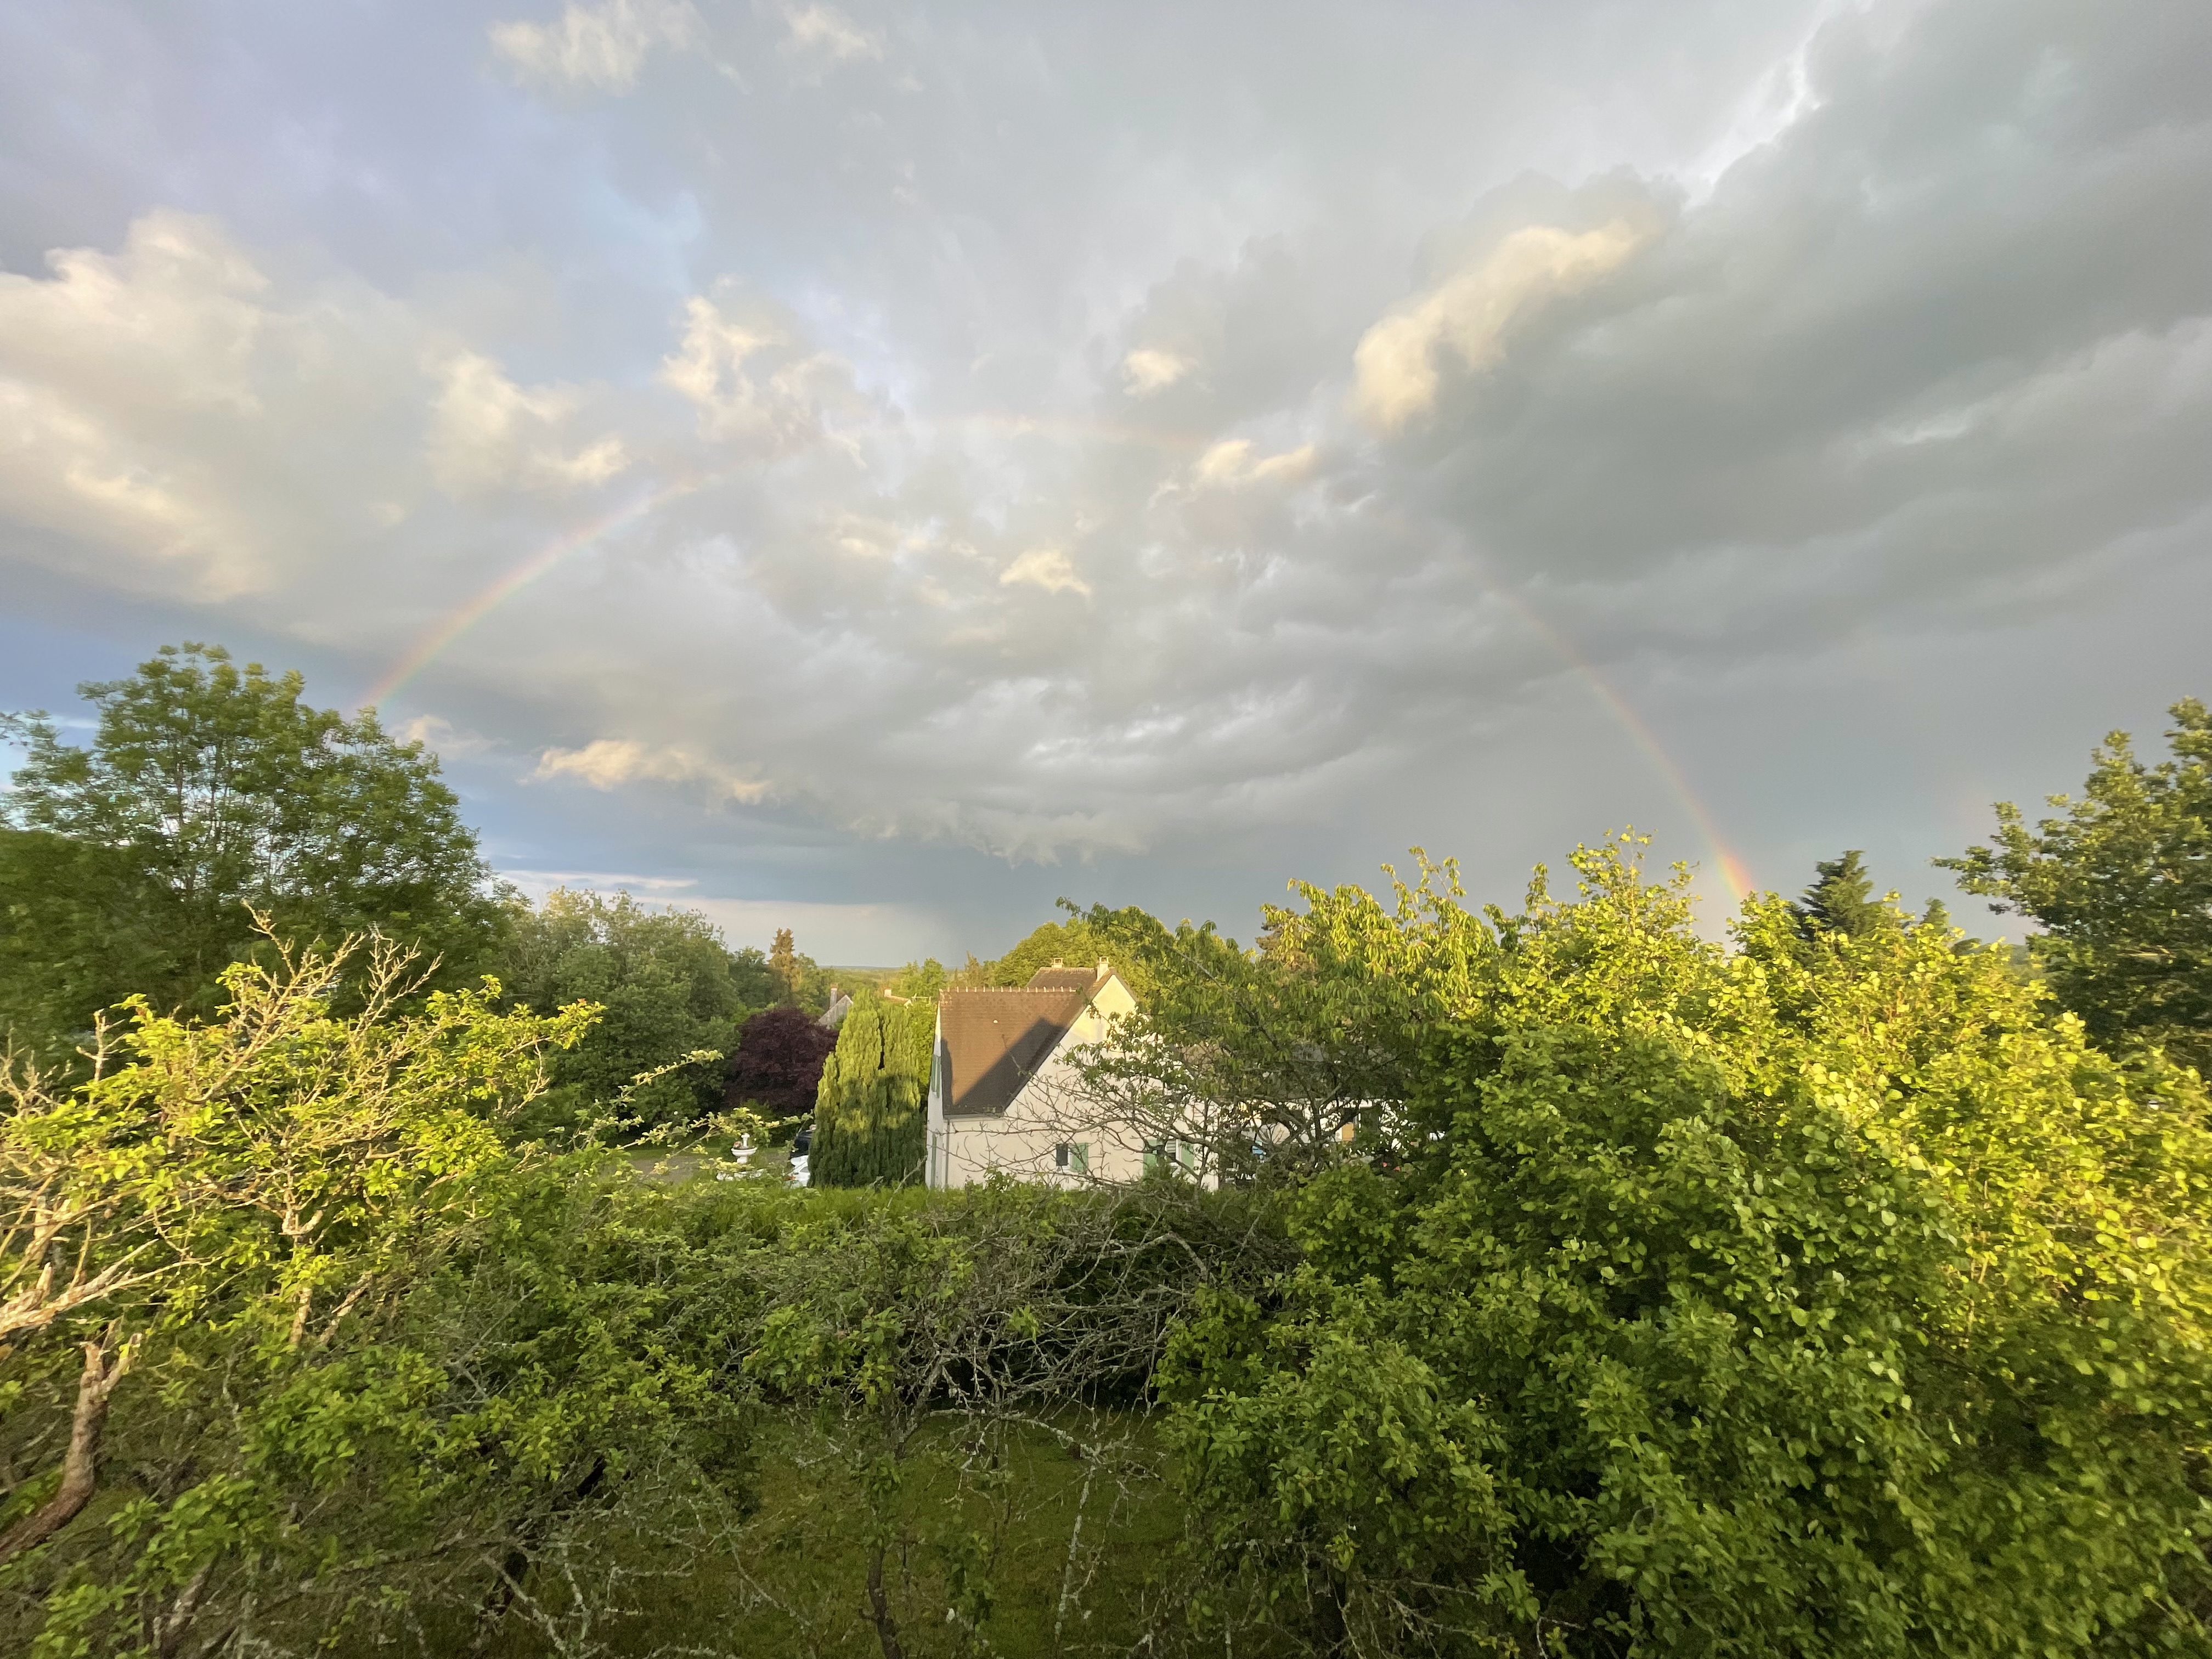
(871, 1116)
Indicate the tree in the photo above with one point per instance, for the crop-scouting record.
(778, 1065)
(82, 927)
(209, 793)
(783, 963)
(666, 988)
(1683, 1298)
(336, 1335)
(919, 982)
(757, 983)
(870, 1124)
(1841, 901)
(1131, 938)
(2121, 882)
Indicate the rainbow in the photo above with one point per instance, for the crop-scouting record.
(441, 634)
(1733, 873)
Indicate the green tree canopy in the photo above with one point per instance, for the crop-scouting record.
(208, 791)
(2121, 882)
(1676, 1298)
(315, 1325)
(666, 986)
(1133, 940)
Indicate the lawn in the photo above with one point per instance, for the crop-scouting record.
(1065, 1553)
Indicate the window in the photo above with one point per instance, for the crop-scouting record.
(1072, 1156)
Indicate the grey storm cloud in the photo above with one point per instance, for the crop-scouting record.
(1105, 434)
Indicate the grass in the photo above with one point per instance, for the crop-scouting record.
(992, 1529)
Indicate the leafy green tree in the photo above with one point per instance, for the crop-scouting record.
(1070, 943)
(1685, 1299)
(1256, 1061)
(870, 1123)
(755, 980)
(667, 987)
(209, 793)
(920, 982)
(82, 927)
(347, 1359)
(2121, 882)
(1132, 940)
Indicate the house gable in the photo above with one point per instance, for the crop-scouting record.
(996, 1041)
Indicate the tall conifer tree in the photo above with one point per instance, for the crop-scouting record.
(871, 1116)
(1840, 900)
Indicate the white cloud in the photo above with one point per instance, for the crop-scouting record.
(604, 46)
(487, 432)
(1229, 463)
(824, 32)
(177, 407)
(609, 763)
(441, 737)
(1922, 340)
(1047, 567)
(749, 380)
(1396, 373)
(1147, 370)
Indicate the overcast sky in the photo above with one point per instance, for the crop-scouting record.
(874, 468)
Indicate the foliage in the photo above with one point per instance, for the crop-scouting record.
(919, 982)
(783, 963)
(778, 1064)
(2121, 882)
(349, 1352)
(1841, 901)
(1253, 1061)
(81, 928)
(932, 1333)
(212, 792)
(666, 987)
(755, 980)
(1735, 1303)
(871, 1121)
(1135, 941)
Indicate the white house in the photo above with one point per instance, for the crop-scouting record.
(1002, 1094)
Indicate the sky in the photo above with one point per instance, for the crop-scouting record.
(875, 469)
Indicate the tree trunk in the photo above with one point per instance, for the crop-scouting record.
(879, 1607)
(80, 1467)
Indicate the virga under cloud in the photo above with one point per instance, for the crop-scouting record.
(1070, 437)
